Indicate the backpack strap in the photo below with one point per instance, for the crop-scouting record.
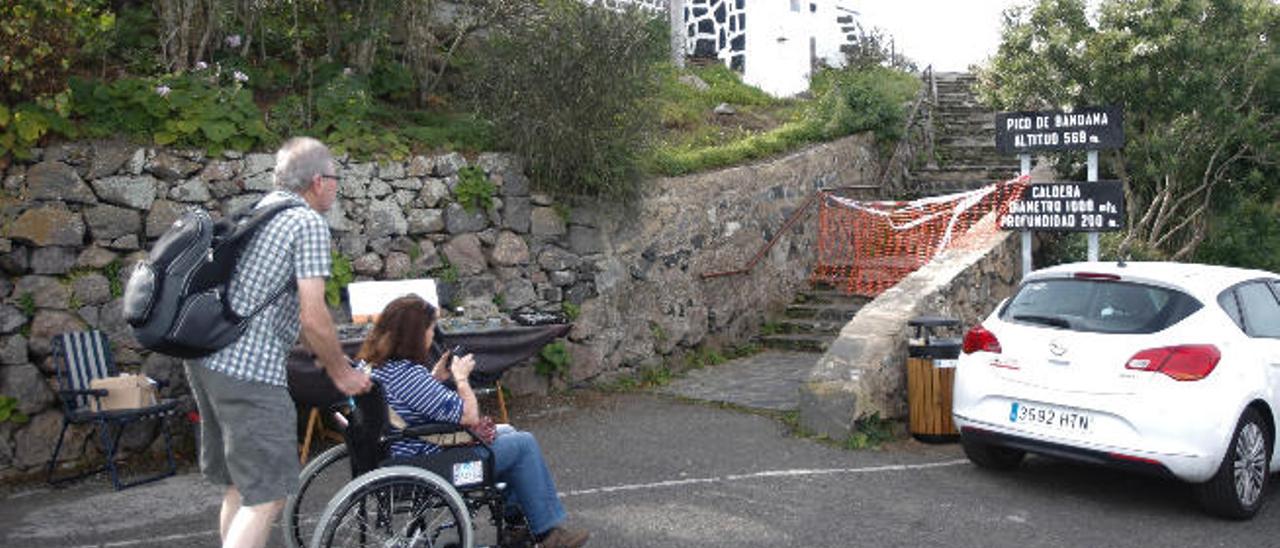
(238, 228)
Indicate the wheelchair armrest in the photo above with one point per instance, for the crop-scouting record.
(433, 428)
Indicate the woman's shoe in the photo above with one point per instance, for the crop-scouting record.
(563, 537)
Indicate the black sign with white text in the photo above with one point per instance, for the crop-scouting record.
(1067, 207)
(1091, 128)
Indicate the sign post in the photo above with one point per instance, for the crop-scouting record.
(1089, 129)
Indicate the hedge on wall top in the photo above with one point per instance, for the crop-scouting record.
(572, 90)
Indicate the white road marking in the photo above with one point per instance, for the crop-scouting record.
(620, 488)
(764, 474)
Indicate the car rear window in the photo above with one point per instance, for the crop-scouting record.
(1104, 306)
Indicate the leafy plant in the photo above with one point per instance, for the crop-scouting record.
(571, 90)
(342, 276)
(659, 334)
(1197, 80)
(571, 311)
(553, 360)
(207, 107)
(27, 304)
(446, 273)
(703, 356)
(344, 111)
(22, 127)
(114, 280)
(9, 411)
(474, 191)
(40, 40)
(870, 431)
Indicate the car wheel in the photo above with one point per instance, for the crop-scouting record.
(991, 456)
(1236, 490)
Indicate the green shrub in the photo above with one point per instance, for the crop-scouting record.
(209, 108)
(27, 304)
(571, 311)
(553, 360)
(870, 431)
(342, 276)
(9, 411)
(40, 41)
(572, 91)
(854, 100)
(344, 111)
(22, 127)
(1243, 235)
(474, 191)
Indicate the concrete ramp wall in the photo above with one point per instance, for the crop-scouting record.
(864, 370)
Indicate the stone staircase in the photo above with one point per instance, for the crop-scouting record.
(813, 320)
(964, 141)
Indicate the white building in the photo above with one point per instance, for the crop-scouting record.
(774, 44)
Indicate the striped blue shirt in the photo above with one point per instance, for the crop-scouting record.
(292, 245)
(418, 398)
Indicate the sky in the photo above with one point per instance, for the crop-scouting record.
(949, 34)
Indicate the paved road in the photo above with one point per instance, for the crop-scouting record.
(643, 470)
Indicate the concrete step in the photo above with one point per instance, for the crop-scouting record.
(822, 311)
(830, 295)
(793, 326)
(797, 343)
(988, 174)
(939, 188)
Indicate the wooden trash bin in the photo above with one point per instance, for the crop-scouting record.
(930, 377)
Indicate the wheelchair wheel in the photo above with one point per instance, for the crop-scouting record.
(397, 506)
(320, 480)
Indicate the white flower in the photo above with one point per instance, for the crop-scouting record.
(240, 76)
(233, 41)
(162, 90)
(348, 72)
(201, 65)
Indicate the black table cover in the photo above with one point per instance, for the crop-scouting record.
(496, 349)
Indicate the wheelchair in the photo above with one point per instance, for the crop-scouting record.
(415, 502)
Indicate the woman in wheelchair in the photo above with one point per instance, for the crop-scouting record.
(397, 351)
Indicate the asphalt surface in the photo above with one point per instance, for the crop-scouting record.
(644, 469)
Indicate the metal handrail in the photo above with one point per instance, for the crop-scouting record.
(786, 225)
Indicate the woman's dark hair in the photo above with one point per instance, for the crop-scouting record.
(399, 332)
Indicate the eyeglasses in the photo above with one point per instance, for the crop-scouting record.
(334, 177)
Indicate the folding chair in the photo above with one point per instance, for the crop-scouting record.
(80, 357)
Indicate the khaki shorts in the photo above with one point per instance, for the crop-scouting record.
(248, 435)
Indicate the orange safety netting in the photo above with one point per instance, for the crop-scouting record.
(865, 248)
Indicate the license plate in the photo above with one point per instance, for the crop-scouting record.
(1049, 416)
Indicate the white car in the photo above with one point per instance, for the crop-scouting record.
(1168, 368)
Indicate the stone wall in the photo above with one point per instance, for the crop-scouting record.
(77, 216)
(864, 370)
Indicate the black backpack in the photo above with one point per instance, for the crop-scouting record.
(177, 300)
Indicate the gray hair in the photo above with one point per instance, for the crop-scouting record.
(298, 162)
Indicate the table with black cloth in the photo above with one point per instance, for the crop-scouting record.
(495, 349)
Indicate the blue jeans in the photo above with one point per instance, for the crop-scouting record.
(519, 464)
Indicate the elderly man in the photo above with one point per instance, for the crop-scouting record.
(248, 421)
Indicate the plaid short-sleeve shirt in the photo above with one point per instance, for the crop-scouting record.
(291, 246)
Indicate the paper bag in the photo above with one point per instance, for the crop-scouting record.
(124, 392)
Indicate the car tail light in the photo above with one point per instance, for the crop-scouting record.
(979, 339)
(1190, 362)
